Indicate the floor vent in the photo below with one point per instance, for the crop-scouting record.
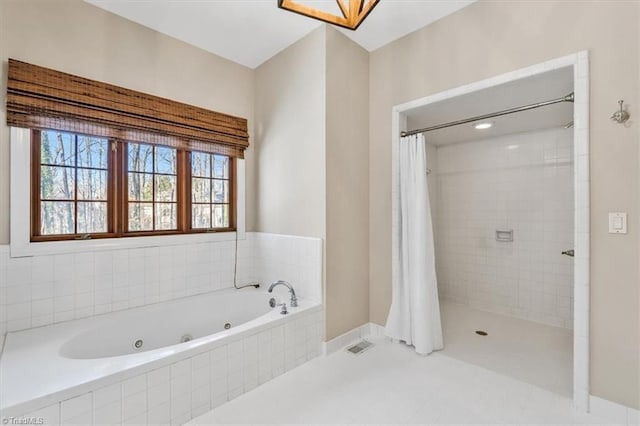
(359, 347)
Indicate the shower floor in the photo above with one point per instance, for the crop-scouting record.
(531, 352)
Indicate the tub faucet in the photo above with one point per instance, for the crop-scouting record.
(294, 299)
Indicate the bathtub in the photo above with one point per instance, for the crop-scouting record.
(224, 342)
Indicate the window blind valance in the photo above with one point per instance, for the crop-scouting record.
(41, 98)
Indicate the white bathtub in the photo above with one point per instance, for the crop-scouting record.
(45, 366)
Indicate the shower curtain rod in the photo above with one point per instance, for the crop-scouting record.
(568, 98)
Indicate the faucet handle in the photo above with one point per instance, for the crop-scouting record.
(284, 308)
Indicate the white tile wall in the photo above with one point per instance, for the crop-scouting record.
(293, 259)
(41, 290)
(177, 393)
(522, 182)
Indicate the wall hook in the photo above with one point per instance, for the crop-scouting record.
(620, 116)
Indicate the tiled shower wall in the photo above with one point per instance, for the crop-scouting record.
(522, 182)
(41, 290)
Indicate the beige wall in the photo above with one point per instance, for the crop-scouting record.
(312, 172)
(347, 244)
(75, 37)
(490, 38)
(290, 139)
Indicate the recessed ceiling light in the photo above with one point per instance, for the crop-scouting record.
(482, 126)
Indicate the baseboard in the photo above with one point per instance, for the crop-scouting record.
(351, 336)
(612, 411)
(376, 329)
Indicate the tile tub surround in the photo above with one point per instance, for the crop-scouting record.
(522, 182)
(294, 259)
(42, 290)
(176, 392)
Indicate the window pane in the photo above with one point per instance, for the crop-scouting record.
(140, 187)
(92, 217)
(165, 188)
(92, 184)
(140, 217)
(57, 183)
(220, 166)
(200, 164)
(56, 217)
(201, 190)
(220, 191)
(57, 148)
(165, 160)
(201, 216)
(221, 216)
(140, 157)
(166, 216)
(92, 152)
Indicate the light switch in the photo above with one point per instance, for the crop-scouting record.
(618, 223)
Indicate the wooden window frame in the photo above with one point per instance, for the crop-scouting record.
(232, 196)
(123, 176)
(117, 195)
(35, 219)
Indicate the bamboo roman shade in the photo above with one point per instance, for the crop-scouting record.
(41, 98)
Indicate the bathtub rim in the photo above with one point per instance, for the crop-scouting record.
(306, 307)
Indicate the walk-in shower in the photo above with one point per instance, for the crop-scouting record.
(502, 202)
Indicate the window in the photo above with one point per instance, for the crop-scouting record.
(106, 161)
(70, 185)
(153, 187)
(210, 191)
(91, 187)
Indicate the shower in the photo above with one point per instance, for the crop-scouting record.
(503, 216)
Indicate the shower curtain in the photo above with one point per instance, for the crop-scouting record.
(415, 311)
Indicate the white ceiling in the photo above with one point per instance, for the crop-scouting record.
(538, 88)
(250, 32)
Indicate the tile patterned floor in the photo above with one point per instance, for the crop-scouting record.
(391, 384)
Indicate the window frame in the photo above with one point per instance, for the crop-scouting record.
(232, 196)
(35, 200)
(117, 195)
(123, 194)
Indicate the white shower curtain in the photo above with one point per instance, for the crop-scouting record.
(415, 311)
